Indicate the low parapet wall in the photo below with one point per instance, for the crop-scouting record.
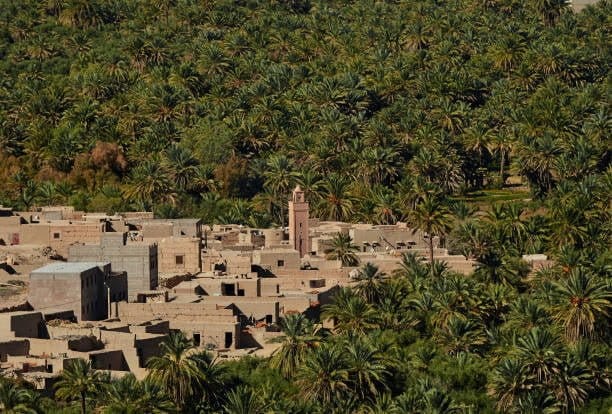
(171, 311)
(15, 347)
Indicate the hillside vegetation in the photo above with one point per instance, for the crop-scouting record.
(217, 108)
(382, 111)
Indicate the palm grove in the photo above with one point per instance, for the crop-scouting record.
(382, 112)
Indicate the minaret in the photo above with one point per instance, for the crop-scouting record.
(298, 222)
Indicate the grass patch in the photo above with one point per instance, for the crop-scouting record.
(485, 197)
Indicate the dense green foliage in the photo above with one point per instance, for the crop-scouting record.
(217, 108)
(381, 111)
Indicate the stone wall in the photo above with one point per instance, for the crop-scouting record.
(221, 335)
(179, 255)
(61, 234)
(175, 312)
(10, 228)
(108, 360)
(276, 260)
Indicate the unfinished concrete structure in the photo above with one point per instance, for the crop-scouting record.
(84, 288)
(138, 260)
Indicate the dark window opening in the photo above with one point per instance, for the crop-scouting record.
(56, 236)
(240, 292)
(280, 263)
(268, 319)
(179, 260)
(228, 339)
(196, 339)
(228, 289)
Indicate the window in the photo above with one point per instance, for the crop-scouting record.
(280, 263)
(56, 236)
(179, 260)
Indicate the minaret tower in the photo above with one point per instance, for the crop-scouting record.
(298, 222)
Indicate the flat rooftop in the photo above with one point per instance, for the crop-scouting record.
(69, 267)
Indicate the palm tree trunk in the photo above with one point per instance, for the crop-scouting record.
(282, 212)
(431, 254)
(501, 167)
(83, 405)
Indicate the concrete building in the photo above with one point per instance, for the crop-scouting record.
(138, 260)
(179, 255)
(210, 326)
(80, 287)
(298, 222)
(273, 260)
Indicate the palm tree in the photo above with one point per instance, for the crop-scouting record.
(572, 385)
(537, 402)
(411, 267)
(182, 165)
(550, 10)
(433, 218)
(182, 371)
(369, 282)
(336, 201)
(461, 335)
(502, 145)
(351, 313)
(324, 375)
(128, 395)
(151, 182)
(367, 367)
(343, 249)
(165, 6)
(539, 352)
(536, 162)
(17, 400)
(582, 304)
(78, 381)
(244, 400)
(298, 339)
(279, 177)
(508, 383)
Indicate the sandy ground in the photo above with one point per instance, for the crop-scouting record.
(24, 259)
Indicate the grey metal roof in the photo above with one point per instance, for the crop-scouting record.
(68, 267)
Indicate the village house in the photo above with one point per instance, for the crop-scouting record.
(86, 288)
(138, 259)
